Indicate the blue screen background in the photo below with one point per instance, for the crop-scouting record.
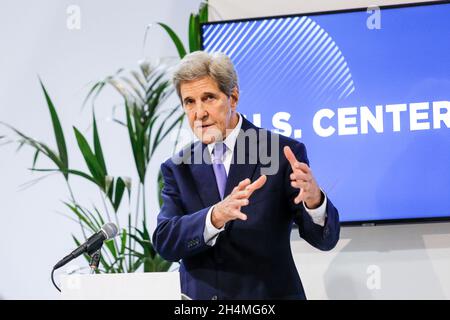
(302, 64)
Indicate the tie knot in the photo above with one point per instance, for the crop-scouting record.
(219, 151)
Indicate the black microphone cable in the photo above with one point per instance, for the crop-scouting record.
(53, 280)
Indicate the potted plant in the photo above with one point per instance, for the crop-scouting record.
(146, 122)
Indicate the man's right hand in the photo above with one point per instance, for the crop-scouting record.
(230, 208)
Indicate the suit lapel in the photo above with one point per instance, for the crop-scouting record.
(240, 171)
(204, 177)
(203, 173)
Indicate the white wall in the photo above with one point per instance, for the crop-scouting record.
(232, 9)
(412, 260)
(35, 40)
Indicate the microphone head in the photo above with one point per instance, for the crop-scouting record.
(110, 230)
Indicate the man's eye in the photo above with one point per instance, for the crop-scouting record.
(209, 98)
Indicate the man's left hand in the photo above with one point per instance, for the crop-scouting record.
(303, 179)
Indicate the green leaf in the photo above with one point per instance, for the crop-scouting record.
(78, 243)
(75, 172)
(139, 79)
(160, 135)
(138, 153)
(149, 265)
(91, 160)
(21, 144)
(160, 187)
(203, 12)
(143, 243)
(88, 214)
(136, 91)
(118, 194)
(35, 158)
(100, 218)
(155, 80)
(137, 264)
(146, 245)
(146, 241)
(94, 92)
(82, 217)
(175, 39)
(94, 220)
(53, 156)
(158, 94)
(57, 129)
(146, 234)
(111, 268)
(161, 265)
(174, 123)
(193, 42)
(135, 253)
(111, 246)
(109, 187)
(37, 146)
(197, 33)
(123, 241)
(98, 147)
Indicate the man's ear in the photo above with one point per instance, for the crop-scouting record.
(234, 97)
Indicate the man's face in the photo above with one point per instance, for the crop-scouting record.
(209, 110)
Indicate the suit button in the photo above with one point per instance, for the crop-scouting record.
(214, 298)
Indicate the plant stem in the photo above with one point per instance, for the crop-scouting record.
(106, 254)
(81, 225)
(144, 204)
(138, 201)
(102, 195)
(76, 204)
(115, 217)
(105, 206)
(129, 242)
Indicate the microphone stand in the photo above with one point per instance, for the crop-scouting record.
(95, 261)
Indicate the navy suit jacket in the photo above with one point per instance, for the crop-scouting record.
(251, 259)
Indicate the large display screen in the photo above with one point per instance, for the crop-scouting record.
(366, 90)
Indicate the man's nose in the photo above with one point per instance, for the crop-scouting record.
(200, 112)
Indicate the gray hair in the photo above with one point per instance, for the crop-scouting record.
(199, 64)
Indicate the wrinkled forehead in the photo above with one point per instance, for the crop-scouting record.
(198, 87)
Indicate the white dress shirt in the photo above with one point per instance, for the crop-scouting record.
(210, 233)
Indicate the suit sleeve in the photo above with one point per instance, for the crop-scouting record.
(178, 234)
(324, 238)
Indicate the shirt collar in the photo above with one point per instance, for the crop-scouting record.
(230, 140)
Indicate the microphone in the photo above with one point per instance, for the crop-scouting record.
(92, 244)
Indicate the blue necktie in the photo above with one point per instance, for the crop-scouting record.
(219, 168)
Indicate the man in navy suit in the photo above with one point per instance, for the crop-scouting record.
(226, 221)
